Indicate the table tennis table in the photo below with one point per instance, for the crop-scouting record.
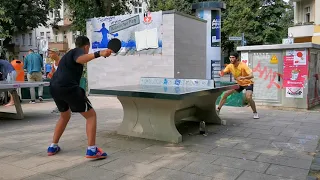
(151, 111)
(12, 88)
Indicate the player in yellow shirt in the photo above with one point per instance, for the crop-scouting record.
(243, 75)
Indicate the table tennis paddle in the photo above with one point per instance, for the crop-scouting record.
(114, 44)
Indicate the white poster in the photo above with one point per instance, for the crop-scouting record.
(290, 53)
(245, 58)
(43, 45)
(294, 92)
(300, 57)
(139, 33)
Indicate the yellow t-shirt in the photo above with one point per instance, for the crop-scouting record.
(241, 70)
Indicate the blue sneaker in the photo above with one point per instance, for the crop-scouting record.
(53, 150)
(98, 154)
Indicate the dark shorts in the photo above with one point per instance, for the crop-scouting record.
(73, 98)
(241, 88)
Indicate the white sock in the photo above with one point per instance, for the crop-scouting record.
(92, 148)
(54, 145)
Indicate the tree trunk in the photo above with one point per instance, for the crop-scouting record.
(107, 7)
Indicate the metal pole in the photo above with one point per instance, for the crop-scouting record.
(242, 41)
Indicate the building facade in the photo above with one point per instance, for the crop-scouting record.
(306, 21)
(43, 37)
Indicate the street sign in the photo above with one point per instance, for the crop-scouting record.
(288, 41)
(235, 38)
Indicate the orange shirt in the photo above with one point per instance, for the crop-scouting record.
(241, 70)
(18, 66)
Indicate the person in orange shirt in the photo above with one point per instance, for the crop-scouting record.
(243, 75)
(18, 66)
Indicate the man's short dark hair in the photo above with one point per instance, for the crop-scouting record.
(82, 41)
(235, 54)
(31, 50)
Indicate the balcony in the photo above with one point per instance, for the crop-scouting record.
(61, 46)
(301, 30)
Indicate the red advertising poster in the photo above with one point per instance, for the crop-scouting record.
(295, 68)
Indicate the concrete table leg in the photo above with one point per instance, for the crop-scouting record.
(206, 108)
(17, 104)
(150, 118)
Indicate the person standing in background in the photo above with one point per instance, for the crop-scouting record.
(53, 54)
(33, 63)
(48, 68)
(18, 66)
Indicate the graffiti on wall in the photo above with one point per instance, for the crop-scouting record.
(269, 75)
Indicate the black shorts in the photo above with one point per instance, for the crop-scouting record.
(241, 88)
(73, 98)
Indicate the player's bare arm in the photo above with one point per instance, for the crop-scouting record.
(88, 57)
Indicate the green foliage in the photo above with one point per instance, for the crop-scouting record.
(81, 10)
(20, 15)
(165, 5)
(4, 33)
(262, 22)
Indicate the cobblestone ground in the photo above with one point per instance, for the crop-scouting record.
(278, 146)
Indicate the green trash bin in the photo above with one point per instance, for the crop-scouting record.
(25, 92)
(235, 99)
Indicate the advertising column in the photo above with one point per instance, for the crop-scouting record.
(295, 72)
(211, 12)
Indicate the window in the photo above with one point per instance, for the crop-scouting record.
(42, 34)
(56, 14)
(74, 37)
(64, 36)
(307, 17)
(138, 9)
(30, 39)
(56, 37)
(50, 14)
(23, 39)
(48, 35)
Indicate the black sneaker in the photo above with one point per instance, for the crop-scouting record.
(40, 98)
(32, 102)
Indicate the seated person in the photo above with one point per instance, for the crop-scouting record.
(7, 68)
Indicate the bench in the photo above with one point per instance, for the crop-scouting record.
(152, 108)
(11, 87)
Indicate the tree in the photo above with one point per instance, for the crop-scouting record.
(165, 5)
(18, 16)
(262, 21)
(81, 10)
(4, 33)
(287, 19)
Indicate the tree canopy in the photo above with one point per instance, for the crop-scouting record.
(18, 16)
(261, 21)
(81, 10)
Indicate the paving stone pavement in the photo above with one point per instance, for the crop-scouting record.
(278, 146)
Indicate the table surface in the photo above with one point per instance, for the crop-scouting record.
(21, 84)
(160, 92)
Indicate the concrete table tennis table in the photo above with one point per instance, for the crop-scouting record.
(11, 87)
(151, 110)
